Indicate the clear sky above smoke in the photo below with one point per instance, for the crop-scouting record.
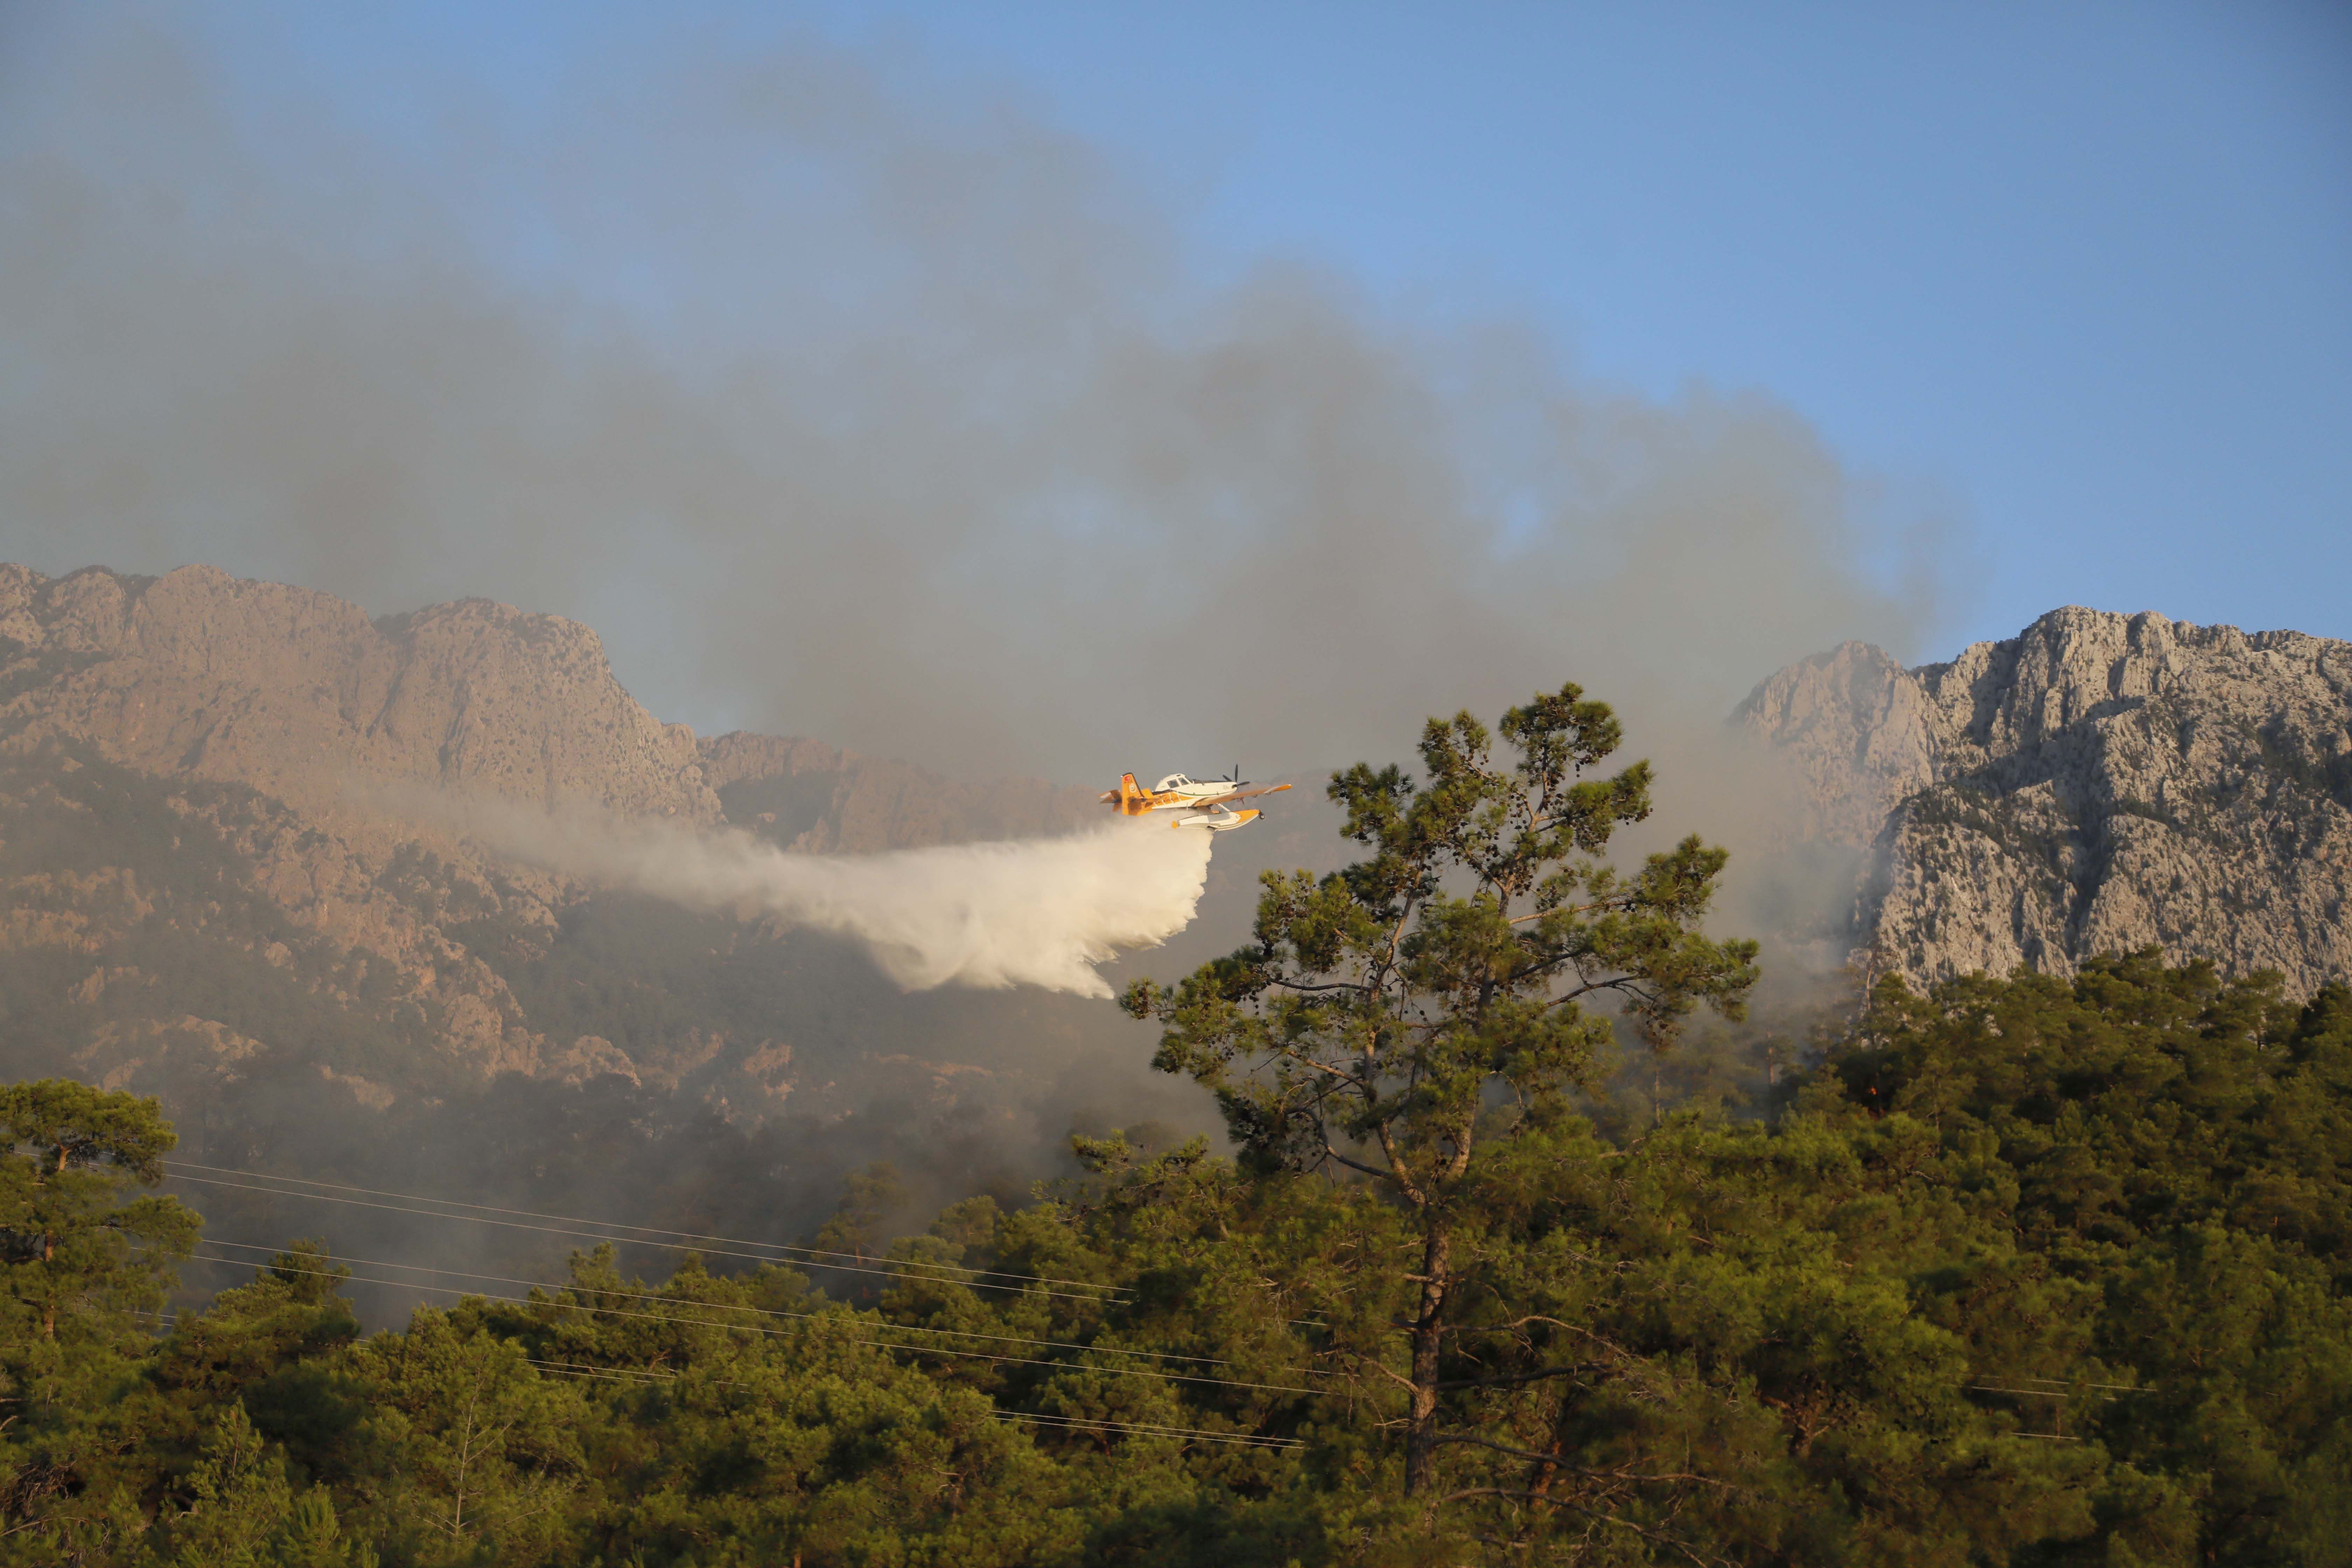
(1020, 386)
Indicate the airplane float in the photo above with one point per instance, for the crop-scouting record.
(1205, 804)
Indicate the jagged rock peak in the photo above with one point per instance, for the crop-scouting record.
(2099, 782)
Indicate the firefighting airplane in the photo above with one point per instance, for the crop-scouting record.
(1205, 804)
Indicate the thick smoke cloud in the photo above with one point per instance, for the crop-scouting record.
(1038, 911)
(849, 400)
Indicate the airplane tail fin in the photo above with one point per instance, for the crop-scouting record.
(1129, 794)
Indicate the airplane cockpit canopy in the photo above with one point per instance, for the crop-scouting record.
(1174, 781)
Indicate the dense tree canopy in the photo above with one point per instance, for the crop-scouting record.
(84, 1261)
(2031, 1271)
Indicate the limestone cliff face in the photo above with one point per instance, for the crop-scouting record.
(184, 773)
(2098, 783)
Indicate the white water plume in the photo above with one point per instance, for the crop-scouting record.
(1031, 911)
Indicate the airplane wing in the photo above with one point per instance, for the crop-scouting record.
(1245, 794)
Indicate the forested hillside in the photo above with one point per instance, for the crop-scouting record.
(2029, 1271)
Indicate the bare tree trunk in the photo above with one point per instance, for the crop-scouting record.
(1428, 1332)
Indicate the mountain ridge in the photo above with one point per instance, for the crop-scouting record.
(225, 723)
(294, 692)
(2099, 783)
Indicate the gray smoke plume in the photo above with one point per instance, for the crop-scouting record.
(851, 399)
(846, 398)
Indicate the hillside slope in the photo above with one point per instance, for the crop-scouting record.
(186, 770)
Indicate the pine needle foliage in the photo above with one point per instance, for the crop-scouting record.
(1411, 1015)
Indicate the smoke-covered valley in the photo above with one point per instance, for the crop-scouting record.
(430, 905)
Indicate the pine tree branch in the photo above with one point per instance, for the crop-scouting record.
(1330, 1152)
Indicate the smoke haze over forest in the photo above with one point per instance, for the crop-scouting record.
(850, 400)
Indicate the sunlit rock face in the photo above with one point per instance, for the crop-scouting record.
(2098, 783)
(295, 693)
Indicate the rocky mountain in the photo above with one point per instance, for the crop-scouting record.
(296, 694)
(2098, 783)
(207, 893)
(194, 882)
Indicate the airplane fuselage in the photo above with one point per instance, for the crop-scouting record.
(1178, 792)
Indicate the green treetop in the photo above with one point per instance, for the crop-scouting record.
(68, 1155)
(80, 1257)
(1408, 1018)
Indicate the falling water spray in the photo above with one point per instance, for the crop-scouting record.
(1031, 911)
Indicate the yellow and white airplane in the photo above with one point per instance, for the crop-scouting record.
(1205, 804)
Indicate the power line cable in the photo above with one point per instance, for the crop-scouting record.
(613, 1225)
(896, 1271)
(613, 1374)
(755, 1329)
(892, 1269)
(576, 1289)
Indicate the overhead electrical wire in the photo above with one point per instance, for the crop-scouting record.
(756, 1329)
(893, 1268)
(576, 1287)
(889, 1267)
(612, 1224)
(894, 1265)
(610, 1375)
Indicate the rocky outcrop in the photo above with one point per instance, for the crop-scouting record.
(2099, 783)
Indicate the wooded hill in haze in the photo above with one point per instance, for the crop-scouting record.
(196, 902)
